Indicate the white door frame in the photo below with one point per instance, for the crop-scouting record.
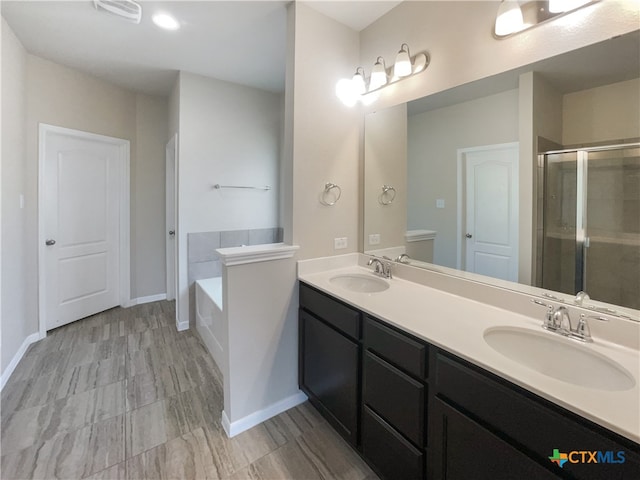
(125, 254)
(171, 166)
(461, 214)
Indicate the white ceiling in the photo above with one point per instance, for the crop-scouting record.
(356, 14)
(242, 42)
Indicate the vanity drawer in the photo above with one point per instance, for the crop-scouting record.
(387, 451)
(536, 425)
(335, 313)
(399, 349)
(396, 397)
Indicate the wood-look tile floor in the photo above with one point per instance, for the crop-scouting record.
(123, 395)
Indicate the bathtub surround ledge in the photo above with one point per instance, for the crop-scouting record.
(256, 253)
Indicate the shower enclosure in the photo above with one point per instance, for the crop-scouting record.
(589, 228)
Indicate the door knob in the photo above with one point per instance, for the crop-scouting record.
(172, 232)
(468, 235)
(49, 242)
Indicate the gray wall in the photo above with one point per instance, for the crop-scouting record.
(36, 90)
(228, 134)
(434, 138)
(16, 316)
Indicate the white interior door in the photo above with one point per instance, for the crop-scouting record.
(491, 190)
(80, 225)
(171, 220)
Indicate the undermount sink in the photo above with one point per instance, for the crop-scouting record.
(360, 283)
(559, 357)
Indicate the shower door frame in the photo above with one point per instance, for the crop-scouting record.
(582, 239)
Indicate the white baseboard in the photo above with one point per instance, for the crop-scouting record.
(34, 337)
(256, 418)
(182, 326)
(147, 299)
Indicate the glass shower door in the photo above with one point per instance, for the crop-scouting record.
(612, 254)
(559, 229)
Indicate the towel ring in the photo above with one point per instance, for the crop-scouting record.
(384, 200)
(329, 189)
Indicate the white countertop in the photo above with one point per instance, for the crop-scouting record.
(457, 324)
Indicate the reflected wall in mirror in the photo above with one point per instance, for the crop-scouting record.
(467, 195)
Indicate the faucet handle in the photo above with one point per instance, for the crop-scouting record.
(595, 317)
(541, 303)
(582, 330)
(549, 321)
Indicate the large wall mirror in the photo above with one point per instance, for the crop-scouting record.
(529, 180)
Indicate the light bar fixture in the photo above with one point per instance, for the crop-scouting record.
(404, 67)
(515, 16)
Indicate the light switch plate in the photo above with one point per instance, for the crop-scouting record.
(374, 239)
(440, 203)
(339, 243)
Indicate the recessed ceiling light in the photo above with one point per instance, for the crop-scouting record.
(166, 21)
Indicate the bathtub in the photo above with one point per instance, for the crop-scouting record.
(210, 318)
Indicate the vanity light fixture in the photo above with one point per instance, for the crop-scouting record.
(359, 88)
(509, 18)
(378, 75)
(357, 82)
(516, 16)
(165, 21)
(403, 67)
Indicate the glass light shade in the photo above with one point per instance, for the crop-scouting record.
(559, 6)
(166, 21)
(378, 75)
(357, 82)
(402, 67)
(509, 19)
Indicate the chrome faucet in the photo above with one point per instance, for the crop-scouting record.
(581, 297)
(402, 258)
(558, 320)
(382, 269)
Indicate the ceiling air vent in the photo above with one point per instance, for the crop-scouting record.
(127, 9)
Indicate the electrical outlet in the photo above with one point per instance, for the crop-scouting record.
(374, 239)
(440, 203)
(339, 243)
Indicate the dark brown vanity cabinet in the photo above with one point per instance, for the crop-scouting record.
(415, 411)
(394, 398)
(329, 359)
(484, 427)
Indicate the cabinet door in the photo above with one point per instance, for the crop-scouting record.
(461, 449)
(329, 374)
(390, 454)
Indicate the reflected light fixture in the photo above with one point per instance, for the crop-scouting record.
(403, 67)
(165, 21)
(516, 16)
(358, 83)
(378, 75)
(363, 89)
(509, 18)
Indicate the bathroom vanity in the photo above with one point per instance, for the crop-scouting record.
(416, 407)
